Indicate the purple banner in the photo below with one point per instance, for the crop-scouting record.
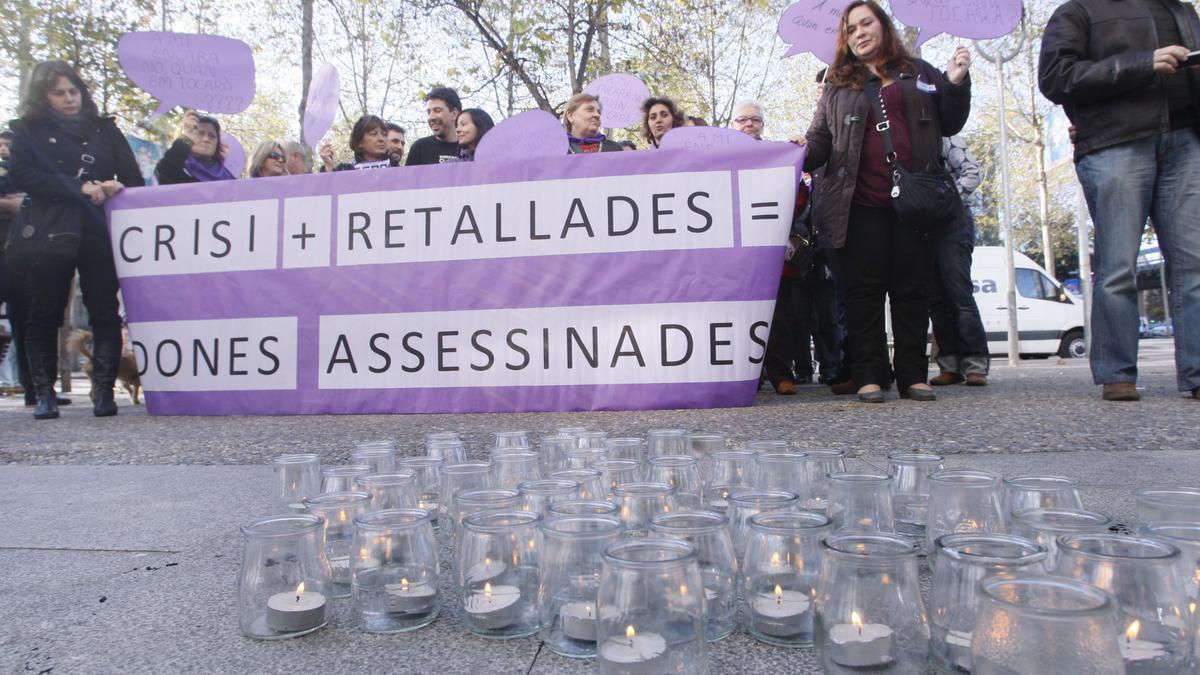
(603, 282)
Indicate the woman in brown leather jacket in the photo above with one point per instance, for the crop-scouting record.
(881, 257)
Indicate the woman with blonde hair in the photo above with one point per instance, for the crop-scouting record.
(582, 122)
(269, 160)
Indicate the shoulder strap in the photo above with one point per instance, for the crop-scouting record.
(883, 126)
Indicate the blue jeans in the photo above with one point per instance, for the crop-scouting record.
(1156, 178)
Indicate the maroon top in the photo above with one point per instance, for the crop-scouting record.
(874, 185)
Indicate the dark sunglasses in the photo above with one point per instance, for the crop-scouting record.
(275, 155)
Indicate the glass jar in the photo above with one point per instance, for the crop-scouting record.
(1022, 493)
(963, 561)
(709, 533)
(731, 467)
(296, 477)
(497, 573)
(511, 440)
(536, 495)
(626, 448)
(1045, 526)
(283, 586)
(869, 609)
(571, 431)
(618, 472)
(861, 502)
(591, 482)
(395, 573)
(821, 463)
(584, 458)
(438, 436)
(591, 439)
(379, 455)
(339, 509)
(581, 507)
(512, 468)
(639, 502)
(1185, 537)
(571, 560)
(651, 609)
(427, 473)
(553, 452)
(702, 444)
(456, 478)
(681, 472)
(389, 490)
(781, 573)
(963, 500)
(761, 446)
(1155, 630)
(1169, 504)
(454, 452)
(467, 502)
(910, 489)
(1026, 623)
(341, 478)
(666, 442)
(746, 503)
(786, 471)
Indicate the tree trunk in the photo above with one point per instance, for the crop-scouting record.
(306, 43)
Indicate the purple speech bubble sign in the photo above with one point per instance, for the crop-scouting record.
(235, 155)
(705, 138)
(533, 133)
(206, 72)
(812, 26)
(324, 93)
(621, 97)
(973, 19)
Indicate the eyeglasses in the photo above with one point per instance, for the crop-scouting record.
(744, 119)
(275, 155)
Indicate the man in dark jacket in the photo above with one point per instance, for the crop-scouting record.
(1118, 67)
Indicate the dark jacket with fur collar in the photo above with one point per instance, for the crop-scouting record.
(934, 107)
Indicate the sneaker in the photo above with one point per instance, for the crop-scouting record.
(945, 379)
(976, 380)
(785, 388)
(1121, 391)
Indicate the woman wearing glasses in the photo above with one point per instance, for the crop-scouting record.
(749, 118)
(880, 256)
(268, 160)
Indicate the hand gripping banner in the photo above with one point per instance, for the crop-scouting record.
(617, 281)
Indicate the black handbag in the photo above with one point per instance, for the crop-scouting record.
(926, 201)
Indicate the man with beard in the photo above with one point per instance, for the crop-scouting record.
(442, 105)
(396, 139)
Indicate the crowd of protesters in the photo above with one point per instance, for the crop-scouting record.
(67, 159)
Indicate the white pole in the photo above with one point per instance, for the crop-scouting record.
(1014, 349)
(1085, 262)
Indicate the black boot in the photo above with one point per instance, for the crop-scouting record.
(43, 370)
(106, 358)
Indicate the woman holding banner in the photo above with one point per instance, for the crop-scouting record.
(659, 115)
(471, 126)
(882, 257)
(582, 122)
(68, 159)
(197, 155)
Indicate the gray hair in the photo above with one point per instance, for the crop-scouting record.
(748, 103)
(296, 147)
(260, 157)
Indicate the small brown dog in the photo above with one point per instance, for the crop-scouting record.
(127, 370)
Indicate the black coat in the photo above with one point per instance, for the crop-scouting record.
(45, 162)
(1097, 61)
(934, 108)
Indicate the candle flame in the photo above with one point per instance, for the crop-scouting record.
(683, 589)
(342, 515)
(885, 580)
(589, 610)
(775, 559)
(856, 620)
(1192, 607)
(630, 632)
(404, 585)
(778, 593)
(487, 589)
(1131, 633)
(300, 588)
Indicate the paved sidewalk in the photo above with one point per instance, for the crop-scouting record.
(121, 546)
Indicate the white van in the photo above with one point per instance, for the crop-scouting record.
(1049, 319)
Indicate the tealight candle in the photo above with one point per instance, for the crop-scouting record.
(856, 644)
(494, 608)
(781, 613)
(578, 621)
(410, 598)
(295, 612)
(639, 654)
(1133, 649)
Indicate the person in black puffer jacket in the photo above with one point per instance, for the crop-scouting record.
(68, 159)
